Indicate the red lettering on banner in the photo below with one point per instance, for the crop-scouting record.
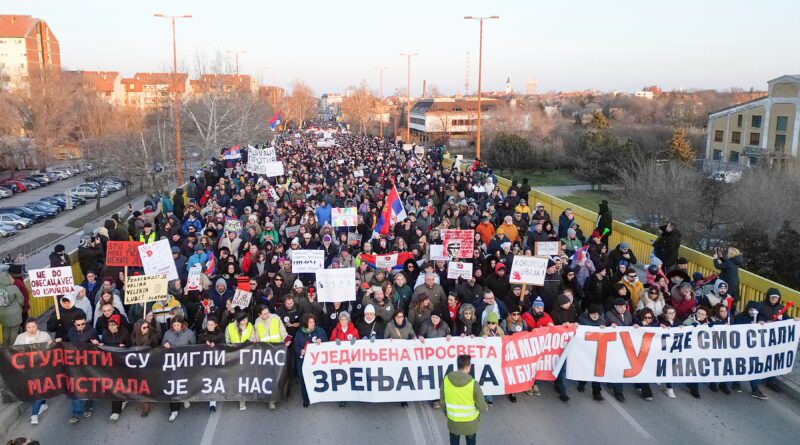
(531, 356)
(636, 360)
(602, 339)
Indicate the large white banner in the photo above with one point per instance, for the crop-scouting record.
(157, 259)
(411, 370)
(720, 353)
(336, 285)
(307, 260)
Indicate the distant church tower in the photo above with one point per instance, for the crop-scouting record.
(508, 85)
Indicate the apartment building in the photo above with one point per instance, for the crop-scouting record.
(27, 47)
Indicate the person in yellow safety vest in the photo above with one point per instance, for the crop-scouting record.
(148, 236)
(270, 329)
(240, 331)
(463, 402)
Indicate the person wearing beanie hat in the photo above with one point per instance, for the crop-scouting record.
(298, 284)
(571, 241)
(622, 252)
(58, 257)
(370, 326)
(563, 313)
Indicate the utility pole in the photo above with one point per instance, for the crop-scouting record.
(480, 67)
(408, 97)
(177, 94)
(236, 53)
(380, 100)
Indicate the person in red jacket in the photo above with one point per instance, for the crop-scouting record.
(536, 317)
(344, 331)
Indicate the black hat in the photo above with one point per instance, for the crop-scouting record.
(595, 309)
(550, 263)
(59, 248)
(437, 312)
(683, 260)
(563, 299)
(619, 301)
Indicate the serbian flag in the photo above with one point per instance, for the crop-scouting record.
(275, 121)
(232, 153)
(393, 211)
(395, 260)
(211, 265)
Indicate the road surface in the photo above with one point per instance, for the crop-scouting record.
(714, 419)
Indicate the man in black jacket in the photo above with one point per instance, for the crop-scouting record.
(667, 245)
(59, 257)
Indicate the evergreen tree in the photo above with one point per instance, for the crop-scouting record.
(680, 147)
(599, 154)
(508, 151)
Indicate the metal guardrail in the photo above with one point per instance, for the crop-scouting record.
(752, 287)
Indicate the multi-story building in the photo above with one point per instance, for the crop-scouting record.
(28, 47)
(107, 84)
(448, 119)
(530, 87)
(761, 131)
(225, 83)
(150, 91)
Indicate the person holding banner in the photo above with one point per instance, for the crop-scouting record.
(81, 333)
(463, 402)
(592, 317)
(178, 335)
(31, 336)
(309, 333)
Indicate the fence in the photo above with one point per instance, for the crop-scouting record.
(752, 287)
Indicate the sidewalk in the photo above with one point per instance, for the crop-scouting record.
(791, 381)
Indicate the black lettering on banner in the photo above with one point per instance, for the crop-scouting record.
(189, 373)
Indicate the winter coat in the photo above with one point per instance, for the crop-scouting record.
(183, 338)
(11, 300)
(536, 321)
(656, 306)
(344, 335)
(666, 247)
(460, 379)
(729, 273)
(401, 332)
(59, 327)
(613, 316)
(428, 330)
(373, 329)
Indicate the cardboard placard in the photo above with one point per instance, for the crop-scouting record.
(385, 261)
(145, 288)
(528, 270)
(547, 248)
(233, 225)
(193, 280)
(436, 253)
(344, 216)
(458, 243)
(157, 259)
(459, 269)
(123, 253)
(358, 173)
(307, 260)
(241, 298)
(51, 282)
(335, 285)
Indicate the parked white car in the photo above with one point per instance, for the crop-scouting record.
(6, 231)
(87, 191)
(5, 193)
(15, 221)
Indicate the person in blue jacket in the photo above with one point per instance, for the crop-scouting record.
(309, 332)
(323, 213)
(200, 257)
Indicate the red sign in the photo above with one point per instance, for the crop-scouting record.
(458, 243)
(123, 253)
(530, 356)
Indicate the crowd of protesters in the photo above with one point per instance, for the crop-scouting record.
(590, 282)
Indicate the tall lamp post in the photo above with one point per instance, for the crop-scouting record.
(177, 94)
(480, 68)
(236, 53)
(408, 97)
(380, 99)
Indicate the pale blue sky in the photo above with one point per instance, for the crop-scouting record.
(564, 44)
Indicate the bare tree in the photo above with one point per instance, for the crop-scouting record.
(360, 106)
(300, 105)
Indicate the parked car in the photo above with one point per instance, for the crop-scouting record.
(88, 191)
(76, 200)
(44, 207)
(48, 210)
(62, 171)
(29, 183)
(15, 221)
(41, 181)
(41, 177)
(6, 193)
(6, 231)
(60, 203)
(24, 211)
(11, 186)
(20, 187)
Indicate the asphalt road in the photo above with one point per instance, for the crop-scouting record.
(714, 419)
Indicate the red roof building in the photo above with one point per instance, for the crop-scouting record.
(27, 47)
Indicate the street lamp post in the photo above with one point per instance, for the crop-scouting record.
(408, 97)
(177, 93)
(480, 68)
(380, 100)
(236, 53)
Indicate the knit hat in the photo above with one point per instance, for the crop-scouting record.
(59, 248)
(697, 276)
(653, 269)
(326, 238)
(624, 263)
(571, 232)
(683, 260)
(437, 312)
(492, 317)
(773, 291)
(369, 309)
(298, 283)
(176, 249)
(550, 263)
(538, 302)
(499, 266)
(624, 246)
(619, 301)
(596, 234)
(505, 244)
(595, 309)
(116, 319)
(563, 299)
(221, 282)
(241, 315)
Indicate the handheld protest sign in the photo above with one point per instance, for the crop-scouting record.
(547, 248)
(528, 270)
(123, 253)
